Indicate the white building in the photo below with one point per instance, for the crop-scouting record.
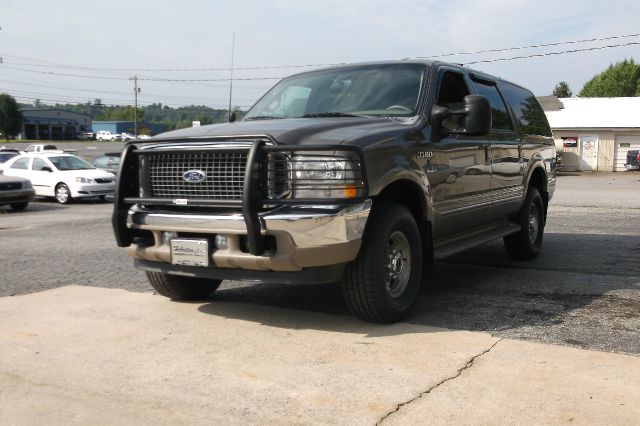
(594, 133)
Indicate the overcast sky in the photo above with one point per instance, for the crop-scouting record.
(38, 36)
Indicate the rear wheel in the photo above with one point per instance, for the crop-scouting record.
(526, 244)
(63, 194)
(182, 288)
(381, 285)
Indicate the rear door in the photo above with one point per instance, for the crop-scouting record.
(507, 168)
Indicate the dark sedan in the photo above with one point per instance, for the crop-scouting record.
(16, 192)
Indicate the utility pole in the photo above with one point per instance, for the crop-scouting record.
(136, 90)
(233, 47)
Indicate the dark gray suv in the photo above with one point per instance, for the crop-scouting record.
(361, 173)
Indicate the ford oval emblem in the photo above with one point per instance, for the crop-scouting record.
(194, 176)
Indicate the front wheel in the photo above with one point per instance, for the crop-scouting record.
(182, 288)
(19, 206)
(526, 244)
(63, 194)
(381, 285)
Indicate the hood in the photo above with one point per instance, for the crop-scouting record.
(300, 131)
(88, 173)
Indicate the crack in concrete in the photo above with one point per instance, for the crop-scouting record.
(468, 365)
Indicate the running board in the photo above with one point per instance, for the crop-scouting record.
(455, 245)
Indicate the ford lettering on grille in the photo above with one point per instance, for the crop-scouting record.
(194, 176)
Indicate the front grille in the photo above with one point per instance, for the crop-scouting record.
(104, 180)
(221, 175)
(10, 186)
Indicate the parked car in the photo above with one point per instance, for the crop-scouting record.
(42, 148)
(63, 176)
(14, 150)
(633, 160)
(6, 156)
(84, 136)
(124, 136)
(109, 162)
(362, 173)
(105, 135)
(16, 192)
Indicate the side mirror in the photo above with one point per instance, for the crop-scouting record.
(474, 119)
(477, 116)
(46, 169)
(232, 117)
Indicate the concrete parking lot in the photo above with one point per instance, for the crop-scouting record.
(491, 340)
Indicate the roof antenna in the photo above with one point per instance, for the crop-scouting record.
(233, 48)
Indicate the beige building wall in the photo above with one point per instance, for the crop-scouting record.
(606, 147)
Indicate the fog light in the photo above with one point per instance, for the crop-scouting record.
(167, 236)
(221, 242)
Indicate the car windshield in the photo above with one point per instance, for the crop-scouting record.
(68, 162)
(371, 90)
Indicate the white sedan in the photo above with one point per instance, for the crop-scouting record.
(63, 176)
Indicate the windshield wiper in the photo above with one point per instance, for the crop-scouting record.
(331, 114)
(264, 117)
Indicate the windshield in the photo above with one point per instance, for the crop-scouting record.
(371, 90)
(70, 163)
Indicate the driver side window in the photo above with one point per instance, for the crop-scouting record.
(451, 93)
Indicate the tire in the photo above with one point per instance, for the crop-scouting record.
(63, 194)
(526, 244)
(182, 288)
(19, 206)
(100, 139)
(382, 283)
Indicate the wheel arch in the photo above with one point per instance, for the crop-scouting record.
(538, 179)
(411, 195)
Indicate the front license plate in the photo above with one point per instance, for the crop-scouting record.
(190, 252)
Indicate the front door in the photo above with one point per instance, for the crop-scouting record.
(460, 175)
(588, 152)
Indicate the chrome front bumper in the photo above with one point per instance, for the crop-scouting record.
(306, 236)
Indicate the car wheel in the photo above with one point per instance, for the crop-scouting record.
(19, 206)
(526, 244)
(182, 288)
(63, 195)
(381, 285)
(100, 139)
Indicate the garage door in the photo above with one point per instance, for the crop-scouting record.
(624, 144)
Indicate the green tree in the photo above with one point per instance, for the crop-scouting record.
(10, 116)
(618, 80)
(562, 90)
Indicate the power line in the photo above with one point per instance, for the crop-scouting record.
(104, 77)
(564, 52)
(531, 46)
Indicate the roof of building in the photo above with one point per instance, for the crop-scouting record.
(550, 103)
(52, 109)
(596, 113)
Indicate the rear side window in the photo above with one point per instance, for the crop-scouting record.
(38, 164)
(21, 164)
(527, 110)
(500, 119)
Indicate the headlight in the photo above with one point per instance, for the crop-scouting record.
(27, 185)
(84, 180)
(325, 177)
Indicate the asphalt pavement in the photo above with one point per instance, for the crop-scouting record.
(570, 319)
